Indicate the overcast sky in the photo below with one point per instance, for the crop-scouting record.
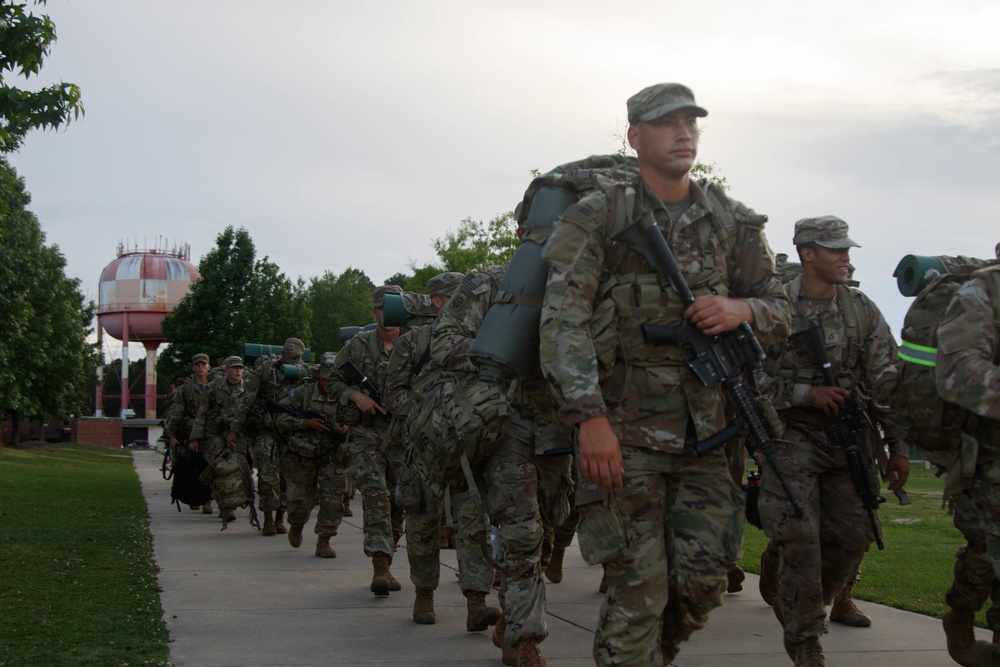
(353, 133)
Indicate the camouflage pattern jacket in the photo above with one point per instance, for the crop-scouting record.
(371, 356)
(599, 292)
(184, 409)
(217, 411)
(308, 444)
(968, 359)
(263, 384)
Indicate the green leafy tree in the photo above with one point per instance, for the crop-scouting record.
(45, 358)
(335, 302)
(25, 40)
(238, 300)
(476, 245)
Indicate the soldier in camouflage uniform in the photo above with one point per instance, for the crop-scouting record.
(253, 422)
(375, 459)
(821, 552)
(968, 374)
(314, 464)
(410, 352)
(665, 525)
(182, 412)
(215, 417)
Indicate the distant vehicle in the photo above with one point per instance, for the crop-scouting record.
(138, 444)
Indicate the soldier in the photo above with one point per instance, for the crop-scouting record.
(253, 422)
(636, 407)
(314, 465)
(375, 461)
(181, 415)
(821, 552)
(409, 354)
(968, 374)
(215, 418)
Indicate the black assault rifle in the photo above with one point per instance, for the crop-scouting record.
(712, 359)
(847, 428)
(274, 406)
(356, 376)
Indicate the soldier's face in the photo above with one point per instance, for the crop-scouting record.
(668, 144)
(234, 374)
(200, 369)
(831, 265)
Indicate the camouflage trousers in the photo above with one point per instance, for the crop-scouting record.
(666, 539)
(986, 497)
(566, 530)
(270, 486)
(508, 480)
(375, 465)
(822, 551)
(311, 482)
(475, 572)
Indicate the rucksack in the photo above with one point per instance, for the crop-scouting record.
(938, 428)
(187, 488)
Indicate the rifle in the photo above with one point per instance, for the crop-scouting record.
(274, 406)
(356, 376)
(712, 359)
(847, 427)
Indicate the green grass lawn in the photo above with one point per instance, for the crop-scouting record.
(915, 569)
(77, 577)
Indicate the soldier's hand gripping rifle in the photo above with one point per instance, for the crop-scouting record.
(847, 428)
(274, 406)
(356, 376)
(712, 359)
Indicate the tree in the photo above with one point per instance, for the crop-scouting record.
(25, 40)
(475, 245)
(335, 302)
(238, 300)
(45, 359)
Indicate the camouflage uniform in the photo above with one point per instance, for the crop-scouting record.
(375, 459)
(314, 463)
(822, 551)
(183, 411)
(968, 374)
(666, 538)
(215, 417)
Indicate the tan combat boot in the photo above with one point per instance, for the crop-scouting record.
(323, 548)
(394, 584)
(735, 577)
(554, 572)
(268, 528)
(423, 607)
(508, 655)
(207, 508)
(529, 654)
(844, 610)
(480, 616)
(809, 653)
(985, 654)
(768, 584)
(279, 523)
(295, 535)
(380, 576)
(958, 629)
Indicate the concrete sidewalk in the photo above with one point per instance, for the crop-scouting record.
(234, 597)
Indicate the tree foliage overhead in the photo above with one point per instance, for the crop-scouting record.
(238, 300)
(24, 44)
(45, 358)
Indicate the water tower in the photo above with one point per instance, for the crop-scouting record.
(137, 291)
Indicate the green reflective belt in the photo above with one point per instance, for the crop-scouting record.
(918, 354)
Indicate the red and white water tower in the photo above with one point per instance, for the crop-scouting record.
(137, 291)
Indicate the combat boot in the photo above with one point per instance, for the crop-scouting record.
(423, 607)
(844, 610)
(295, 535)
(207, 508)
(554, 572)
(227, 515)
(394, 584)
(768, 584)
(809, 653)
(985, 654)
(380, 576)
(268, 528)
(480, 616)
(279, 522)
(529, 654)
(508, 655)
(958, 629)
(735, 577)
(323, 548)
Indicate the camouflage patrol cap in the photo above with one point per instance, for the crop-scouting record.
(379, 293)
(828, 231)
(199, 359)
(234, 362)
(443, 284)
(328, 365)
(660, 99)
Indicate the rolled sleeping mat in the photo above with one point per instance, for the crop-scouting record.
(911, 272)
